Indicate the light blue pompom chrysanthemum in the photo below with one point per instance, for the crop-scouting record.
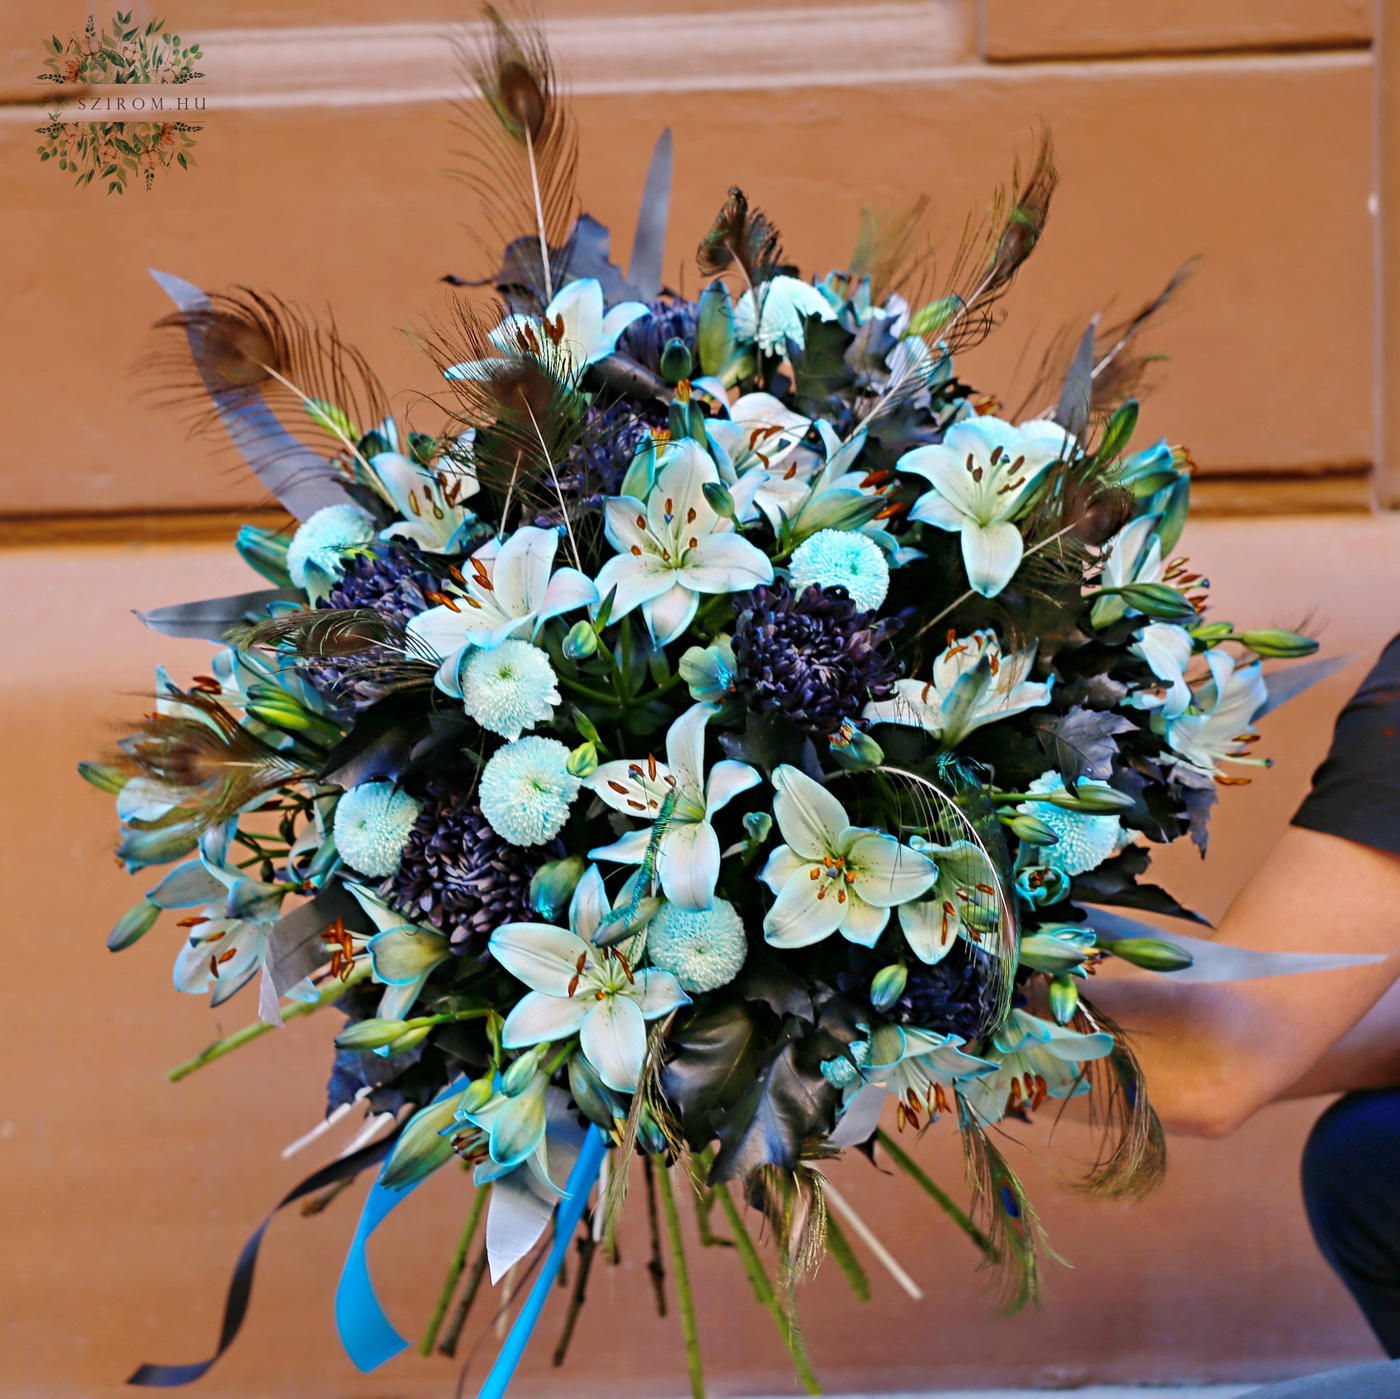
(526, 790)
(319, 542)
(372, 822)
(1083, 842)
(834, 558)
(701, 948)
(509, 688)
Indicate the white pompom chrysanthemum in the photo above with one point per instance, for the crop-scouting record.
(372, 823)
(527, 789)
(834, 558)
(509, 688)
(701, 948)
(319, 542)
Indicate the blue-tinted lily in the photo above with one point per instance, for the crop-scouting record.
(508, 590)
(1035, 1059)
(574, 324)
(984, 474)
(402, 955)
(1167, 649)
(783, 305)
(580, 988)
(919, 1068)
(961, 903)
(1218, 726)
(673, 546)
(831, 876)
(688, 854)
(973, 683)
(430, 499)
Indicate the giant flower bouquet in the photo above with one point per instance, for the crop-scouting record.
(709, 721)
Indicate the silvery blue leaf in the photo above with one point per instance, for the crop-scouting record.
(649, 245)
(1284, 685)
(210, 619)
(861, 1117)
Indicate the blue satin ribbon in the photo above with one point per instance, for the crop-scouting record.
(566, 1221)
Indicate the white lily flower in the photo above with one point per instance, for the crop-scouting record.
(1036, 1059)
(832, 876)
(508, 590)
(1210, 735)
(973, 683)
(673, 547)
(761, 432)
(785, 302)
(579, 988)
(1134, 554)
(983, 473)
(430, 500)
(1167, 649)
(688, 851)
(574, 322)
(402, 955)
(919, 1067)
(222, 954)
(957, 905)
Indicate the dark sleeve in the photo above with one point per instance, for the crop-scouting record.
(1356, 792)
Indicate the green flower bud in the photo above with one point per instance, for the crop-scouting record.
(371, 1034)
(930, 319)
(758, 826)
(1031, 829)
(581, 642)
(552, 885)
(521, 1072)
(888, 985)
(1157, 600)
(1045, 951)
(411, 1038)
(104, 778)
(1154, 954)
(422, 1146)
(133, 925)
(675, 361)
(719, 498)
(1064, 999)
(836, 509)
(594, 1099)
(281, 710)
(1210, 632)
(583, 761)
(1277, 643)
(1089, 799)
(477, 1094)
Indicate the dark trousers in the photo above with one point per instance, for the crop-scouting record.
(1351, 1186)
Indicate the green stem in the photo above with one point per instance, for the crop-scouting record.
(331, 990)
(684, 1296)
(454, 1272)
(910, 1167)
(588, 692)
(840, 1249)
(763, 1290)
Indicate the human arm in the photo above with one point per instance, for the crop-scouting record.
(1214, 1053)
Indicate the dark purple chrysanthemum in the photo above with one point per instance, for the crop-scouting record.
(594, 470)
(393, 581)
(457, 874)
(813, 656)
(954, 996)
(647, 336)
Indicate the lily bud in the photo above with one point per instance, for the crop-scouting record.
(1089, 799)
(1210, 632)
(133, 925)
(675, 361)
(888, 985)
(836, 509)
(423, 1145)
(719, 498)
(104, 778)
(552, 885)
(521, 1072)
(410, 1039)
(1153, 954)
(1064, 999)
(583, 761)
(930, 319)
(1277, 643)
(1046, 951)
(854, 749)
(282, 710)
(1157, 600)
(594, 1099)
(371, 1034)
(758, 825)
(581, 642)
(1031, 829)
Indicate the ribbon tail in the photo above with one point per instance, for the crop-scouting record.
(240, 1286)
(570, 1212)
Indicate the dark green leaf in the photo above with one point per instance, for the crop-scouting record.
(713, 1065)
